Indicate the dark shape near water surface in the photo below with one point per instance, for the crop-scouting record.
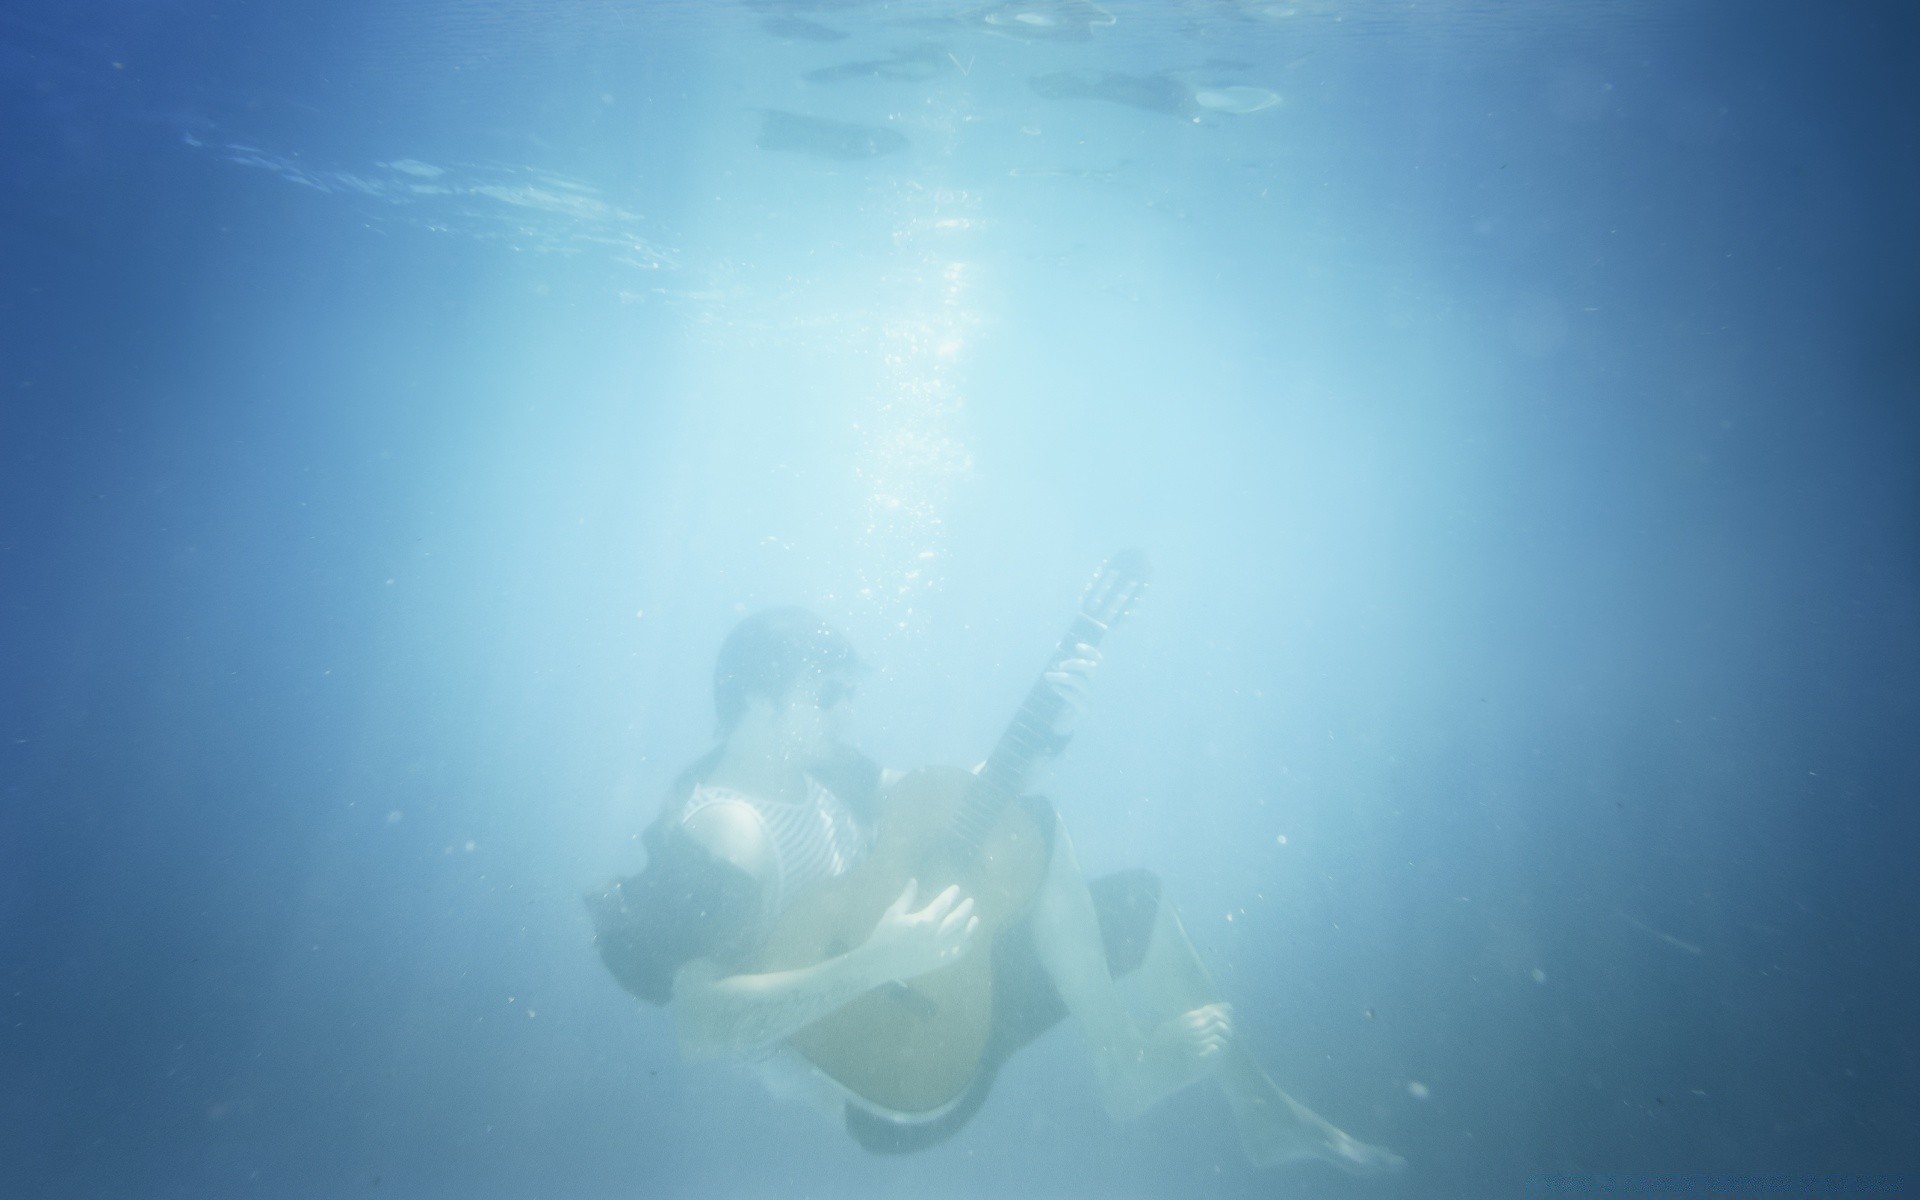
(911, 65)
(799, 29)
(1152, 93)
(841, 140)
(1042, 20)
(1111, 174)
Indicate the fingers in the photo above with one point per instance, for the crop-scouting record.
(1077, 666)
(1071, 677)
(962, 915)
(1209, 1018)
(959, 938)
(953, 920)
(1076, 671)
(938, 909)
(1072, 686)
(1081, 663)
(947, 920)
(1210, 1027)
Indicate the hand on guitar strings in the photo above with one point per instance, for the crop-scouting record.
(1071, 679)
(906, 943)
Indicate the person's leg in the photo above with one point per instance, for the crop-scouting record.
(1133, 1070)
(1192, 1031)
(1274, 1127)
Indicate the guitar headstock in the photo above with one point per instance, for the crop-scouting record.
(1116, 586)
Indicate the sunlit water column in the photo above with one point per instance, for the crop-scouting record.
(914, 452)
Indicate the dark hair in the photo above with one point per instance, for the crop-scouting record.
(768, 653)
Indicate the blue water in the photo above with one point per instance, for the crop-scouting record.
(399, 401)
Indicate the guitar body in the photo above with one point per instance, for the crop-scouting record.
(914, 1046)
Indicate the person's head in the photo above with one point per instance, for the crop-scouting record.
(785, 672)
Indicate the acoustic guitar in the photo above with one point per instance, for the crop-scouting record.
(913, 1047)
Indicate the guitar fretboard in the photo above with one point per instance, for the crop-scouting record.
(1030, 738)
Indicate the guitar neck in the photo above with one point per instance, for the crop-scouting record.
(1029, 738)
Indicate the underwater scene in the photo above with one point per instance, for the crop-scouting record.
(930, 599)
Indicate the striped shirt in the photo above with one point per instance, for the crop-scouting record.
(812, 840)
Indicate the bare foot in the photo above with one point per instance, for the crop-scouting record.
(1356, 1157)
(1188, 1046)
(1275, 1129)
(1182, 1050)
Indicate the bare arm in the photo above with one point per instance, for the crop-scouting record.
(727, 1014)
(720, 1015)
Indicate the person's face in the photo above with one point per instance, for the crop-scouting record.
(814, 716)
